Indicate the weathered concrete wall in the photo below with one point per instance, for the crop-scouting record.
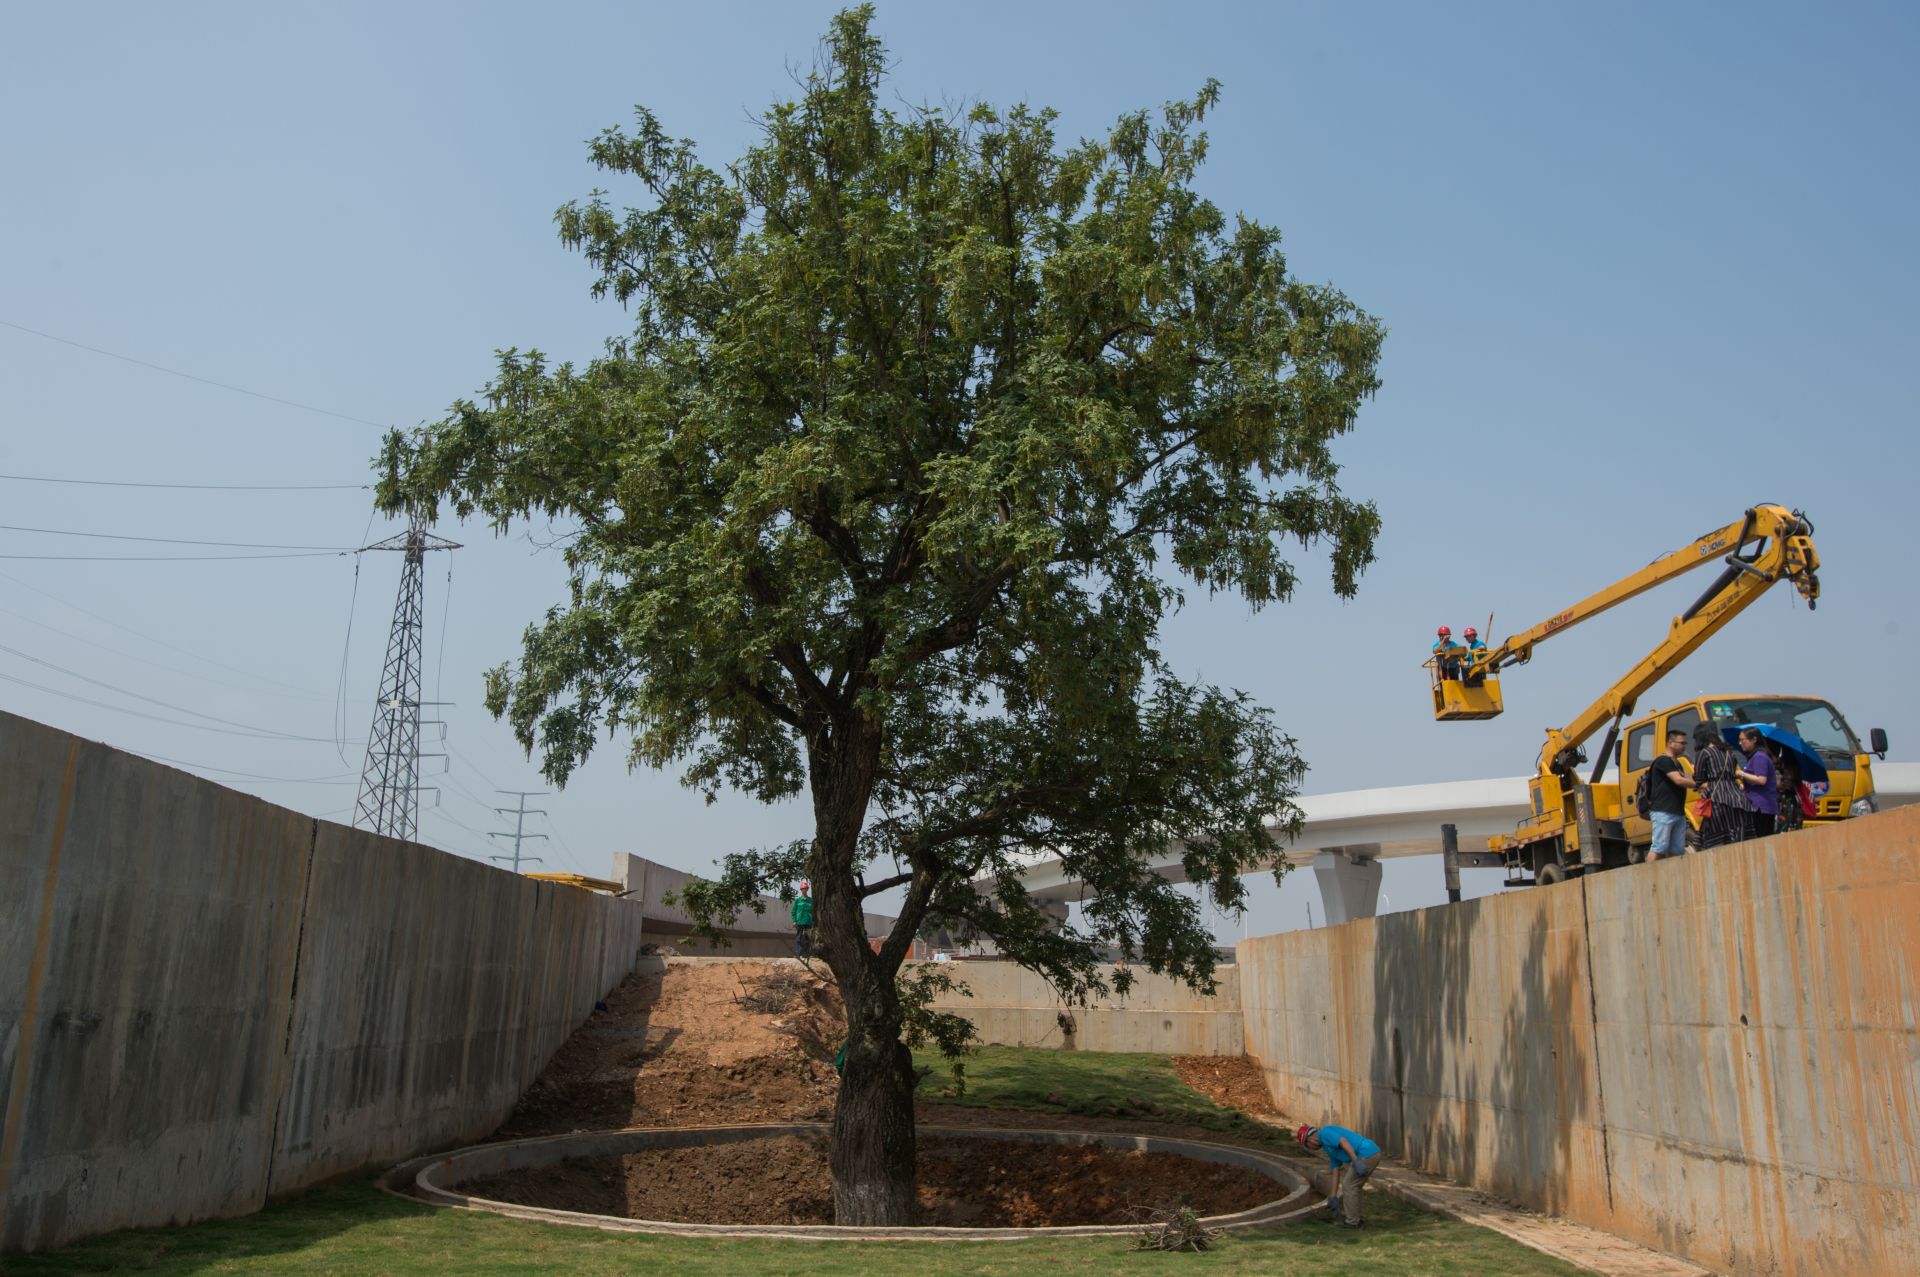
(207, 1000)
(1011, 1006)
(1718, 1057)
(766, 934)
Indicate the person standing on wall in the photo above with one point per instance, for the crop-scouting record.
(1353, 1157)
(802, 915)
(1667, 799)
(1723, 816)
(1760, 783)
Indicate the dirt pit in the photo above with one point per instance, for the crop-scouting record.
(964, 1183)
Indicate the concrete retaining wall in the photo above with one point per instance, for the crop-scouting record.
(1718, 1057)
(1011, 1006)
(207, 1000)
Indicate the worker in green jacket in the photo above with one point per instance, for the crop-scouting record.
(803, 923)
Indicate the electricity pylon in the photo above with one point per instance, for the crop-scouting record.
(519, 834)
(390, 779)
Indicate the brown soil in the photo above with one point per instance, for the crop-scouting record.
(977, 1183)
(1233, 1080)
(702, 1044)
(752, 1041)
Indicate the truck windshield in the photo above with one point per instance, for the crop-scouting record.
(1815, 722)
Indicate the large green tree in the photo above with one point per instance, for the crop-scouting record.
(872, 503)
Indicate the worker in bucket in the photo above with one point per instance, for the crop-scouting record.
(803, 923)
(1353, 1157)
(1476, 648)
(1446, 653)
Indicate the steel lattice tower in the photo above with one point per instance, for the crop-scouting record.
(390, 779)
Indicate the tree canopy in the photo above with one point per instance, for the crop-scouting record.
(922, 420)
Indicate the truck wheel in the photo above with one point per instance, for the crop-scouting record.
(1549, 874)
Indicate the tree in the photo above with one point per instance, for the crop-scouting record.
(871, 504)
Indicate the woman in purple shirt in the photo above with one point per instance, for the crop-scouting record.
(1760, 782)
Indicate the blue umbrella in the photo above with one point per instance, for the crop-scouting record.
(1812, 770)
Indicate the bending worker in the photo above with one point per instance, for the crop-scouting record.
(1353, 1157)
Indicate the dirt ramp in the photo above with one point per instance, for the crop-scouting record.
(698, 1042)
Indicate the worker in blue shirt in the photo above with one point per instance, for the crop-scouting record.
(1353, 1156)
(1476, 648)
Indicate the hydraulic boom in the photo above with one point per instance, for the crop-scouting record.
(1766, 545)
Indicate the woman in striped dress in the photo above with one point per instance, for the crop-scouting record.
(1714, 764)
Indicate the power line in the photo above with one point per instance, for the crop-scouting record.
(249, 728)
(147, 660)
(455, 820)
(158, 718)
(122, 536)
(166, 558)
(157, 642)
(194, 487)
(342, 778)
(205, 381)
(346, 650)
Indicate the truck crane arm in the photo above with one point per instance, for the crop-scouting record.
(1769, 543)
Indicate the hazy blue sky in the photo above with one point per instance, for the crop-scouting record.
(1643, 265)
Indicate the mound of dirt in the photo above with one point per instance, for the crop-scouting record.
(1233, 1080)
(697, 1044)
(975, 1183)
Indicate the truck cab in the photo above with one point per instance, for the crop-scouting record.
(1847, 791)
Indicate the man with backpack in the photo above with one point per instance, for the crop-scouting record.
(1662, 798)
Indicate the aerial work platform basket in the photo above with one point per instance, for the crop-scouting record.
(1456, 697)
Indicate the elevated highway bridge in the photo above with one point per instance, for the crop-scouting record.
(1348, 834)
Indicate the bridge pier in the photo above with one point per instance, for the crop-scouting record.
(1349, 886)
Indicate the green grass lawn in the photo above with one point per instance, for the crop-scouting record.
(355, 1229)
(1087, 1083)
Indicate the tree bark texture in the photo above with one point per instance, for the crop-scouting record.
(872, 1154)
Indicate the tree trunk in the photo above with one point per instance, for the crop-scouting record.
(873, 1139)
(872, 1156)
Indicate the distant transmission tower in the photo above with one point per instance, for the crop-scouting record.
(519, 834)
(390, 779)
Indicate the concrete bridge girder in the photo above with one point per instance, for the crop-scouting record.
(1345, 835)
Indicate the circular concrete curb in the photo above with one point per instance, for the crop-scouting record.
(436, 1179)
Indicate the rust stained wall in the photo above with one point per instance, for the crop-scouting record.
(207, 1001)
(1717, 1057)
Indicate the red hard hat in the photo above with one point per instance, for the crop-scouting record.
(1445, 632)
(1471, 632)
(803, 885)
(1302, 1133)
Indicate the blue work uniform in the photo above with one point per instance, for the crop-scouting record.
(1330, 1137)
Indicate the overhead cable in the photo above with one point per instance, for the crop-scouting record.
(343, 778)
(194, 487)
(170, 558)
(178, 709)
(124, 536)
(205, 381)
(159, 665)
(158, 718)
(157, 642)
